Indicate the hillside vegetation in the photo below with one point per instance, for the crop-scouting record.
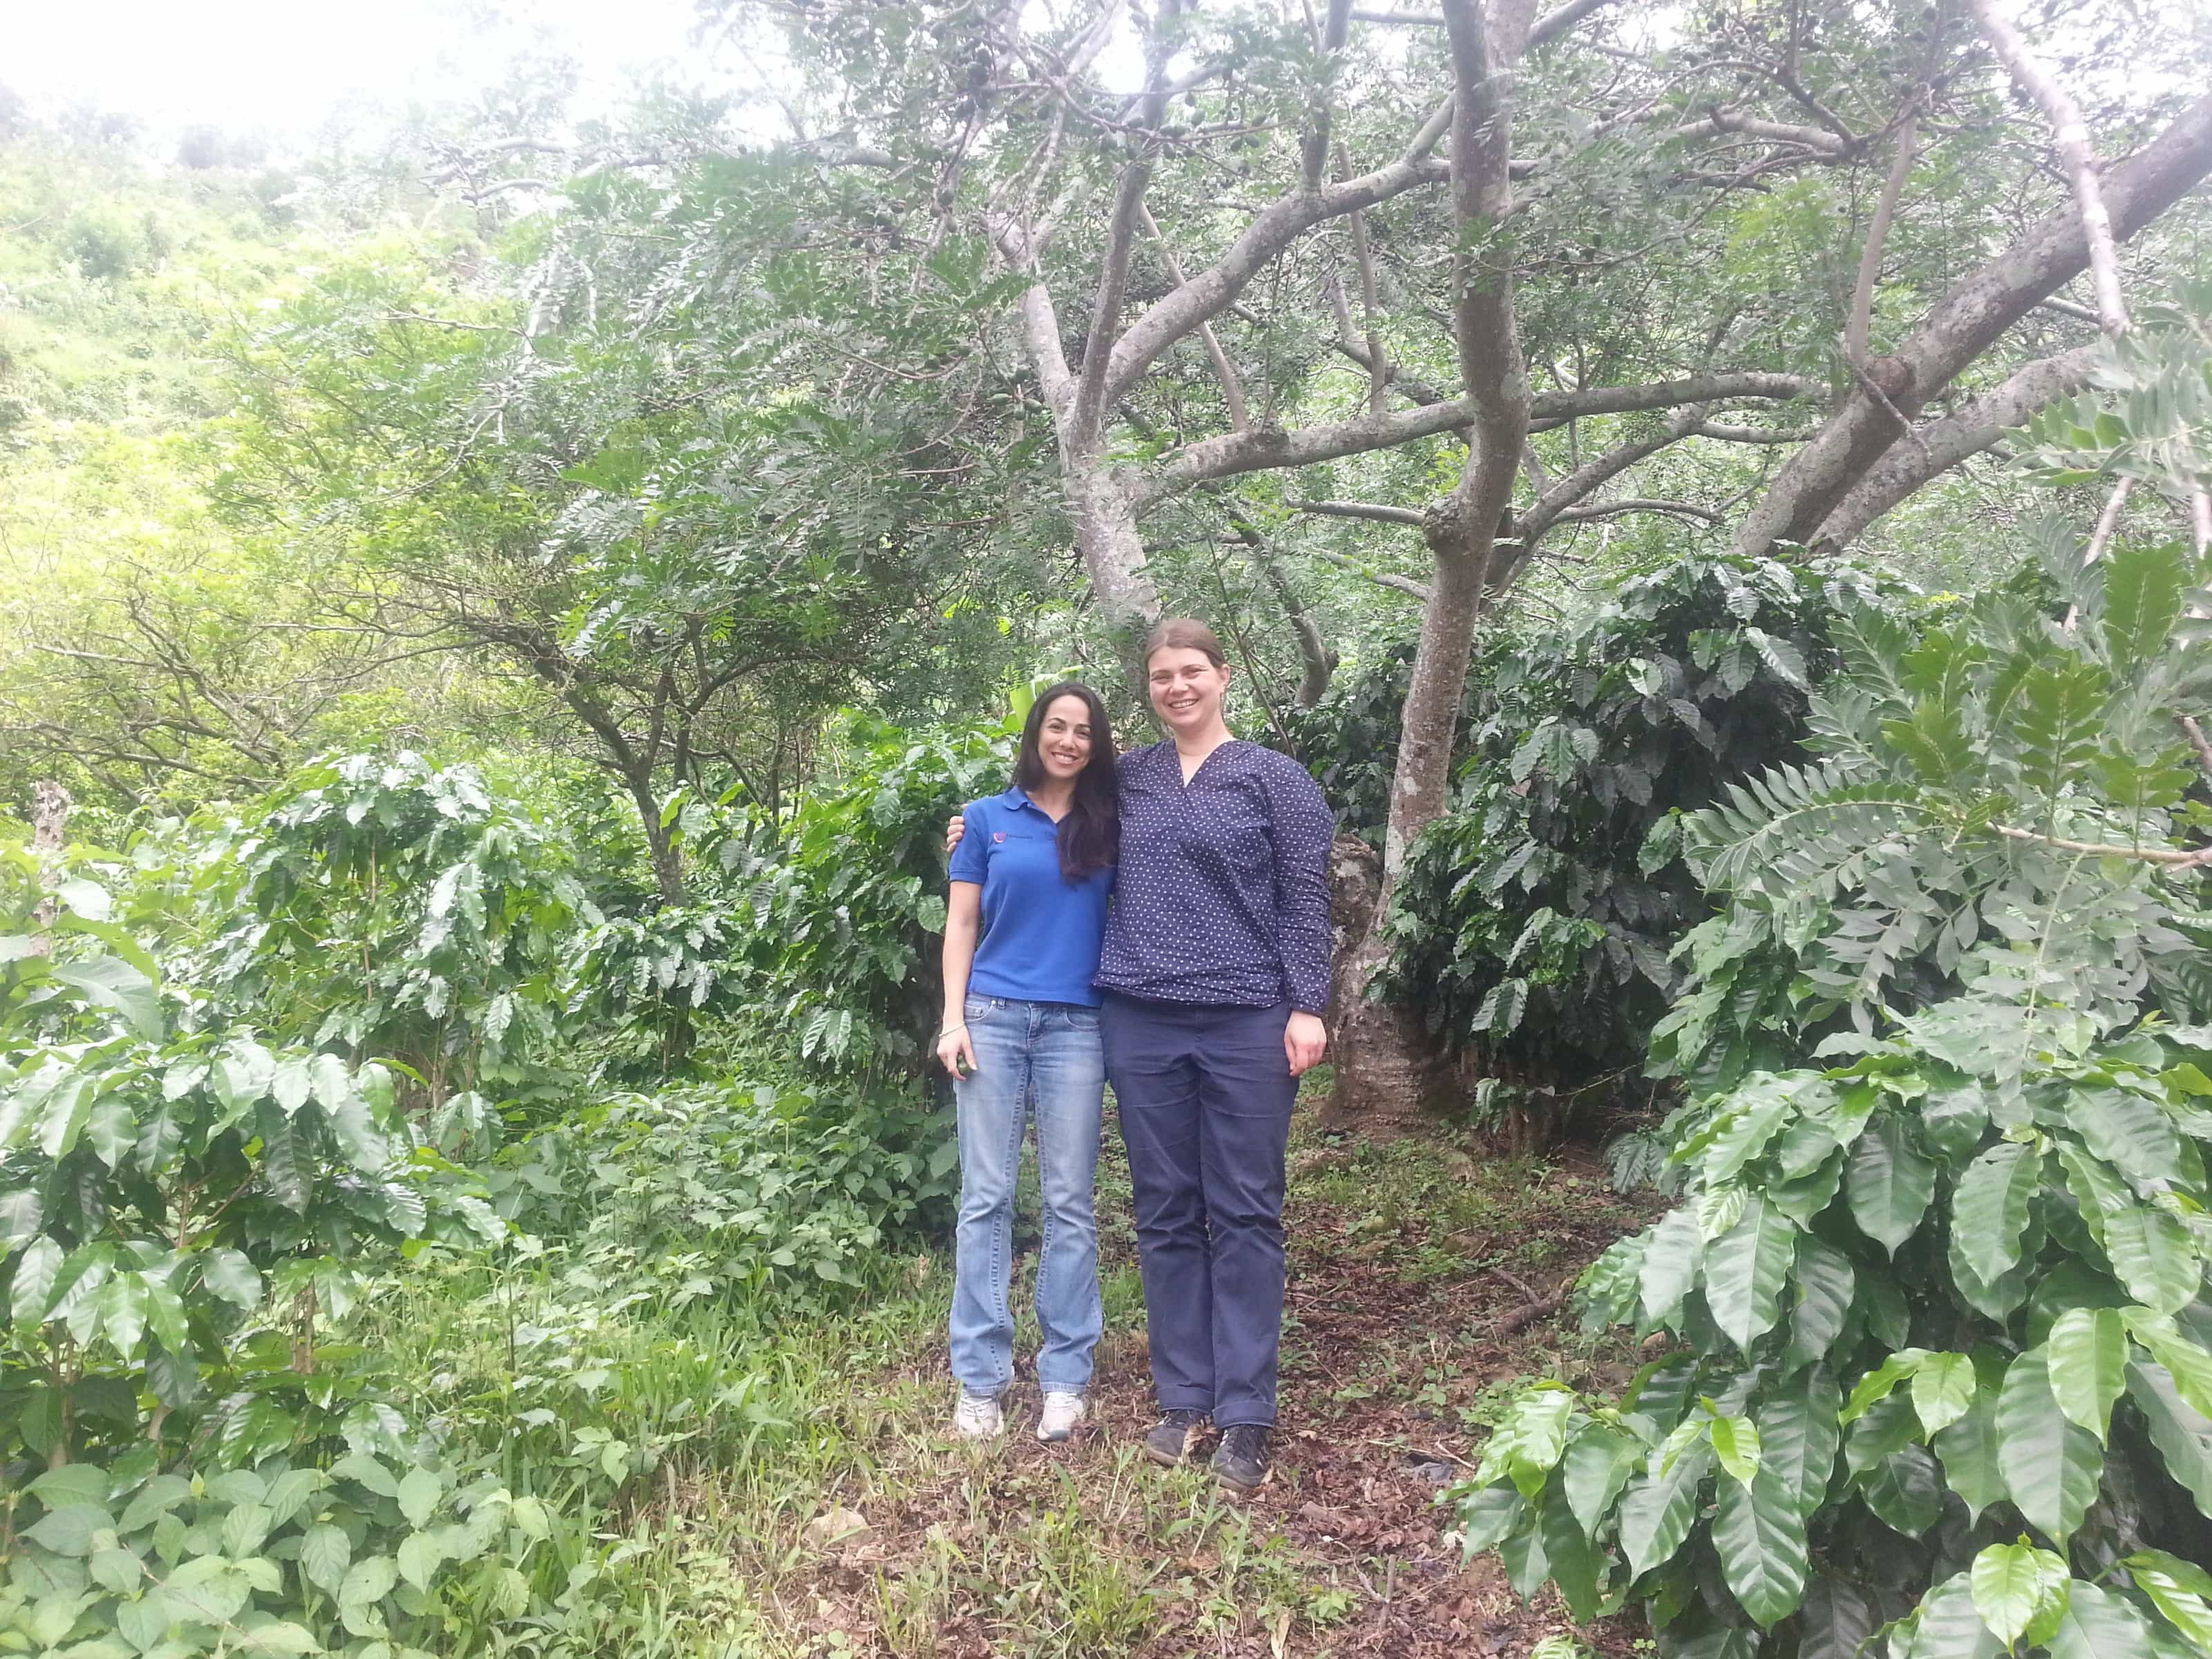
(495, 616)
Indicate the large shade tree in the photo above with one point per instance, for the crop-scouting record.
(1506, 266)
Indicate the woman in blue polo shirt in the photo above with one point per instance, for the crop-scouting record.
(1024, 926)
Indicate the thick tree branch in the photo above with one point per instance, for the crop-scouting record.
(1671, 394)
(1040, 323)
(2070, 138)
(1941, 445)
(1965, 322)
(1264, 448)
(1281, 223)
(1818, 140)
(1313, 148)
(1091, 393)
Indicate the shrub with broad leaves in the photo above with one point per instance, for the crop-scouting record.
(1940, 1347)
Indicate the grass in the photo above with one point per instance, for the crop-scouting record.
(694, 1452)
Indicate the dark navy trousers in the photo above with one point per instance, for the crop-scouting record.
(1204, 1096)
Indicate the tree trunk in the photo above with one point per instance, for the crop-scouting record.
(1114, 555)
(1388, 1071)
(50, 810)
(667, 862)
(1390, 1067)
(1106, 536)
(1388, 1062)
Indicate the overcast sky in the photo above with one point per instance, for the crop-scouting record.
(285, 65)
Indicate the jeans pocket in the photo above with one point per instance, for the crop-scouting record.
(979, 1009)
(1081, 1019)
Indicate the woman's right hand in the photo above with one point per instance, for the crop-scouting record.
(953, 1047)
(955, 827)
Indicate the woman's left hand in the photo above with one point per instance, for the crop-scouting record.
(1304, 1040)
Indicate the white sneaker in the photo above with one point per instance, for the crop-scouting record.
(1062, 1411)
(979, 1418)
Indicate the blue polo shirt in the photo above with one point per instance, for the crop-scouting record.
(1042, 934)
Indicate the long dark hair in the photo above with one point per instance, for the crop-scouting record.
(1091, 834)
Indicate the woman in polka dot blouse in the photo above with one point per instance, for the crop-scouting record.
(1215, 970)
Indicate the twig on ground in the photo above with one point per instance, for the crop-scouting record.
(1520, 1319)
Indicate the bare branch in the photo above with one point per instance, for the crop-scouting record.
(1860, 328)
(1389, 579)
(2067, 308)
(1378, 357)
(1730, 434)
(1317, 661)
(1941, 445)
(1963, 324)
(1585, 479)
(1636, 504)
(2171, 857)
(2070, 138)
(1375, 511)
(1553, 24)
(2107, 521)
(2195, 733)
(1671, 394)
(1232, 389)
(1543, 31)
(1212, 290)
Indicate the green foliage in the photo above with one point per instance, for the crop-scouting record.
(388, 907)
(1990, 817)
(1954, 1280)
(153, 1179)
(826, 938)
(1537, 916)
(279, 1558)
(730, 1191)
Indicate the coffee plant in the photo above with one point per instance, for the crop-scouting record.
(1536, 918)
(730, 1191)
(1942, 1352)
(388, 907)
(182, 1204)
(826, 942)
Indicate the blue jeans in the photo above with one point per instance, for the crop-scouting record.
(1205, 1096)
(1041, 1058)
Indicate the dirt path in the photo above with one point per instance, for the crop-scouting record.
(1412, 1269)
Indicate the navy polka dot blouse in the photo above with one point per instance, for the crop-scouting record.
(1223, 897)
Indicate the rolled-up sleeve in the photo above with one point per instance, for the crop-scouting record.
(1304, 830)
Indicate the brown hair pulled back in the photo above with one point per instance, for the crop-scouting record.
(1185, 634)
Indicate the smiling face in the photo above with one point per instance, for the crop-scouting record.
(1064, 738)
(1187, 687)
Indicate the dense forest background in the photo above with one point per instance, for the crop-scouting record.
(499, 601)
